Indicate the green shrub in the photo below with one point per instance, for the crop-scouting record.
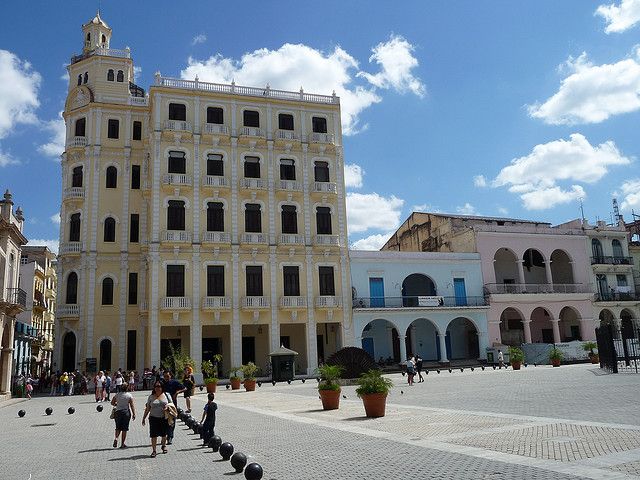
(329, 376)
(516, 354)
(373, 382)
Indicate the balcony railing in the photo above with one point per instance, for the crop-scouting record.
(257, 238)
(325, 187)
(68, 311)
(176, 179)
(144, 306)
(215, 129)
(290, 185)
(254, 183)
(251, 132)
(215, 181)
(216, 237)
(291, 239)
(177, 236)
(321, 137)
(77, 142)
(293, 302)
(73, 193)
(534, 288)
(139, 101)
(328, 301)
(16, 296)
(286, 135)
(109, 52)
(216, 303)
(175, 303)
(617, 297)
(611, 260)
(255, 302)
(330, 240)
(426, 301)
(177, 125)
(70, 248)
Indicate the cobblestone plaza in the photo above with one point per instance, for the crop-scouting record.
(539, 423)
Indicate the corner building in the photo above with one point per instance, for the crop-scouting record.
(207, 216)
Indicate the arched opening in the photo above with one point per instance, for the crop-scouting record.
(380, 340)
(462, 340)
(422, 338)
(86, 77)
(76, 177)
(596, 250)
(79, 79)
(5, 357)
(109, 229)
(69, 352)
(105, 355)
(110, 75)
(627, 324)
(569, 325)
(80, 127)
(533, 265)
(505, 266)
(74, 228)
(561, 268)
(104, 40)
(120, 76)
(606, 318)
(617, 249)
(541, 326)
(112, 177)
(72, 289)
(512, 327)
(414, 286)
(107, 291)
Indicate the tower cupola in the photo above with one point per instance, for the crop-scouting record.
(97, 34)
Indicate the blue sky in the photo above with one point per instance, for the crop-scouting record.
(500, 108)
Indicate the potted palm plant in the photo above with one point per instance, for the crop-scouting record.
(249, 373)
(516, 357)
(373, 389)
(234, 378)
(329, 388)
(589, 347)
(210, 370)
(555, 356)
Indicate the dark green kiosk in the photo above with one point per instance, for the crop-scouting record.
(283, 364)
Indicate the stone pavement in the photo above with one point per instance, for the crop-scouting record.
(470, 425)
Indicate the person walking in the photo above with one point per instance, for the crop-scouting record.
(411, 370)
(419, 368)
(100, 382)
(209, 418)
(119, 381)
(500, 358)
(54, 385)
(157, 404)
(132, 381)
(173, 388)
(189, 383)
(125, 412)
(107, 386)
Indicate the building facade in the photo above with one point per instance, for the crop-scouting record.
(425, 303)
(536, 277)
(205, 216)
(12, 298)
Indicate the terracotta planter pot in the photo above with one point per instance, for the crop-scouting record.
(211, 387)
(250, 385)
(595, 358)
(235, 384)
(555, 362)
(516, 365)
(330, 399)
(374, 404)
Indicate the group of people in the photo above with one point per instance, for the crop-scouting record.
(414, 365)
(104, 383)
(161, 410)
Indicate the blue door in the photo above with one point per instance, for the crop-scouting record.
(376, 292)
(367, 346)
(460, 292)
(447, 341)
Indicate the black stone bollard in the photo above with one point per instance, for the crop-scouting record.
(201, 388)
(303, 380)
(49, 411)
(482, 368)
(21, 413)
(215, 442)
(289, 382)
(238, 461)
(253, 471)
(471, 369)
(227, 387)
(99, 408)
(259, 384)
(273, 383)
(71, 410)
(226, 450)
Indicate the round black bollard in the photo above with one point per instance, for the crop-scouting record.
(179, 410)
(273, 383)
(226, 450)
(215, 442)
(21, 413)
(201, 388)
(471, 369)
(238, 461)
(438, 372)
(259, 384)
(71, 410)
(450, 370)
(227, 387)
(253, 471)
(289, 382)
(482, 368)
(426, 372)
(49, 411)
(462, 369)
(99, 408)
(303, 380)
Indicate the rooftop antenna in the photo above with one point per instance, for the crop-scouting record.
(616, 210)
(581, 210)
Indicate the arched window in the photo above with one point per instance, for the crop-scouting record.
(107, 291)
(105, 355)
(112, 177)
(215, 217)
(175, 215)
(323, 221)
(88, 37)
(617, 248)
(80, 129)
(110, 75)
(287, 169)
(596, 250)
(76, 177)
(72, 289)
(109, 230)
(252, 218)
(86, 77)
(120, 77)
(80, 79)
(177, 111)
(104, 40)
(74, 228)
(289, 219)
(321, 171)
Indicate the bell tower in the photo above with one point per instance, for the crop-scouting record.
(97, 34)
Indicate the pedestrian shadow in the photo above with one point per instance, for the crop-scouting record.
(95, 450)
(313, 410)
(188, 449)
(134, 457)
(357, 419)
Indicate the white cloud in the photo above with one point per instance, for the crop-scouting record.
(620, 18)
(535, 176)
(199, 39)
(420, 208)
(593, 93)
(353, 175)
(372, 242)
(55, 218)
(137, 71)
(631, 192)
(467, 209)
(65, 76)
(291, 67)
(503, 211)
(55, 146)
(372, 211)
(38, 242)
(480, 181)
(396, 60)
(18, 92)
(7, 159)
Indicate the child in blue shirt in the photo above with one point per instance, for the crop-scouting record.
(208, 418)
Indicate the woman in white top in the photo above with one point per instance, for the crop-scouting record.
(132, 381)
(119, 382)
(100, 381)
(125, 411)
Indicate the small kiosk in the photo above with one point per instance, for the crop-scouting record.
(282, 364)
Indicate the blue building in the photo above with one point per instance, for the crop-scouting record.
(426, 303)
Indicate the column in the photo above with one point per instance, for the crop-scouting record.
(5, 365)
(124, 300)
(482, 345)
(587, 329)
(154, 327)
(443, 348)
(414, 343)
(547, 269)
(90, 307)
(274, 329)
(403, 348)
(236, 329)
(556, 330)
(312, 343)
(520, 272)
(196, 327)
(527, 330)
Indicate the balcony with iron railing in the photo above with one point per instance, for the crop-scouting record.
(609, 260)
(107, 52)
(289, 185)
(293, 302)
(214, 129)
(15, 296)
(251, 132)
(254, 238)
(216, 237)
(215, 181)
(328, 301)
(324, 187)
(286, 135)
(73, 193)
(70, 248)
(216, 303)
(316, 137)
(176, 179)
(536, 288)
(327, 240)
(254, 183)
(255, 302)
(617, 297)
(291, 239)
(177, 126)
(175, 303)
(423, 301)
(175, 236)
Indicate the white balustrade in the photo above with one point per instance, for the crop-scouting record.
(68, 311)
(325, 187)
(144, 306)
(215, 129)
(254, 183)
(321, 137)
(216, 303)
(251, 132)
(77, 142)
(255, 302)
(333, 240)
(215, 181)
(175, 303)
(176, 179)
(328, 301)
(293, 302)
(73, 192)
(177, 125)
(139, 101)
(258, 238)
(70, 248)
(216, 237)
(291, 239)
(290, 185)
(176, 236)
(286, 135)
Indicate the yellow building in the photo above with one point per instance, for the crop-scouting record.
(207, 216)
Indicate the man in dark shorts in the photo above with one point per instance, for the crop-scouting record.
(172, 388)
(419, 368)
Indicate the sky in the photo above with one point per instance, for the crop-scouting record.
(499, 108)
